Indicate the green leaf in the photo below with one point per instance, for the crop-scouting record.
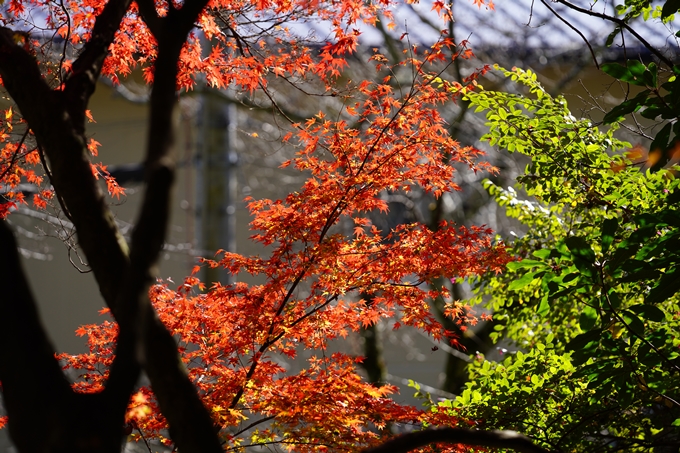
(544, 306)
(641, 275)
(580, 248)
(636, 68)
(634, 323)
(613, 299)
(521, 282)
(670, 8)
(660, 142)
(609, 227)
(649, 312)
(623, 252)
(617, 71)
(647, 356)
(634, 73)
(612, 35)
(582, 255)
(668, 285)
(588, 318)
(626, 107)
(582, 341)
(653, 111)
(514, 265)
(542, 254)
(634, 266)
(653, 70)
(571, 276)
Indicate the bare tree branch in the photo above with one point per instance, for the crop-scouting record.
(147, 9)
(621, 23)
(578, 32)
(191, 426)
(87, 67)
(33, 385)
(32, 382)
(489, 439)
(66, 150)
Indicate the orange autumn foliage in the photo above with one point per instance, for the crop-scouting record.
(230, 336)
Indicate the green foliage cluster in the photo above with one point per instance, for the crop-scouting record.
(656, 100)
(631, 10)
(592, 305)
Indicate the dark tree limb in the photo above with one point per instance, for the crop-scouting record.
(45, 415)
(191, 426)
(32, 382)
(147, 9)
(66, 150)
(57, 120)
(488, 439)
(86, 68)
(622, 24)
(147, 242)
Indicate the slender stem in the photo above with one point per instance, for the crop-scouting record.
(568, 24)
(621, 23)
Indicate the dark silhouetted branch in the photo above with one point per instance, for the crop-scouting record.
(86, 68)
(621, 23)
(488, 439)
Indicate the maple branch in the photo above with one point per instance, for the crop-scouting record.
(71, 173)
(254, 424)
(191, 426)
(490, 439)
(67, 40)
(342, 202)
(33, 384)
(86, 68)
(135, 310)
(147, 9)
(308, 314)
(15, 155)
(334, 214)
(267, 344)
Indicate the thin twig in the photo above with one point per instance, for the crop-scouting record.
(148, 447)
(621, 23)
(592, 52)
(253, 424)
(46, 167)
(66, 40)
(15, 154)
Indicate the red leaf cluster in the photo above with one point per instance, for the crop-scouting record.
(232, 338)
